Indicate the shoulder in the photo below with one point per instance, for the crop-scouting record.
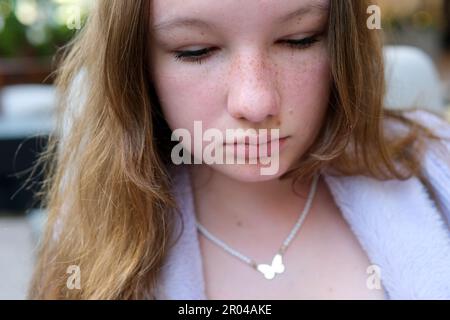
(433, 121)
(436, 161)
(438, 148)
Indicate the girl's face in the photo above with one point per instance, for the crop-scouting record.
(253, 64)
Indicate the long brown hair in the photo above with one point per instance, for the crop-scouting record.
(108, 187)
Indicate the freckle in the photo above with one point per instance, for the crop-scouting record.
(278, 123)
(239, 224)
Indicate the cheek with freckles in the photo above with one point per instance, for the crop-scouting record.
(188, 97)
(306, 91)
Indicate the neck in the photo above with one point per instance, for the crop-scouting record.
(223, 201)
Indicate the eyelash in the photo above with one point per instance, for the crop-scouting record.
(199, 56)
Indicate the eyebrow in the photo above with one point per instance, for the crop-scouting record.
(319, 8)
(192, 22)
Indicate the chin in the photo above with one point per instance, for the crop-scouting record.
(250, 172)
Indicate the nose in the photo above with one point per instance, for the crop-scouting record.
(253, 94)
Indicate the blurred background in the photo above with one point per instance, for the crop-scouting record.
(31, 31)
(417, 52)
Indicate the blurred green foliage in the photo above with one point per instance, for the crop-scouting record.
(16, 38)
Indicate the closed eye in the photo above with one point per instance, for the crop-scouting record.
(199, 56)
(302, 43)
(194, 56)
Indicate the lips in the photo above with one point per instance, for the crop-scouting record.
(255, 141)
(247, 150)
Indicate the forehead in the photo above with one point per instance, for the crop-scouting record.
(169, 14)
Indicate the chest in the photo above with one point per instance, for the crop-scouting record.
(324, 261)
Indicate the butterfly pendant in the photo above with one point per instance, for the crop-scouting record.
(270, 271)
